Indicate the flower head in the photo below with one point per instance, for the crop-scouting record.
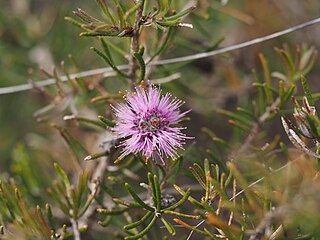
(146, 121)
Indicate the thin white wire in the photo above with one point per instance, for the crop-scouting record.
(50, 81)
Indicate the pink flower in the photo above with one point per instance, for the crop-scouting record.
(147, 123)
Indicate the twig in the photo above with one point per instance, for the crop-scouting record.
(50, 81)
(73, 219)
(99, 174)
(134, 47)
(75, 228)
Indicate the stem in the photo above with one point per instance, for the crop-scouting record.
(75, 229)
(98, 174)
(134, 46)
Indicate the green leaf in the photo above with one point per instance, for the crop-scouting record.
(314, 124)
(289, 64)
(288, 93)
(169, 227)
(63, 175)
(178, 214)
(125, 203)
(190, 199)
(163, 23)
(137, 198)
(106, 49)
(266, 73)
(44, 228)
(235, 116)
(198, 174)
(120, 15)
(164, 45)
(144, 231)
(96, 155)
(139, 222)
(108, 61)
(152, 188)
(106, 222)
(87, 204)
(106, 10)
(57, 197)
(73, 21)
(306, 90)
(114, 211)
(84, 120)
(192, 228)
(132, 10)
(75, 147)
(181, 201)
(180, 14)
(50, 217)
(247, 113)
(214, 136)
(214, 45)
(107, 122)
(82, 188)
(158, 192)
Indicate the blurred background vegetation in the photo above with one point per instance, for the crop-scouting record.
(34, 34)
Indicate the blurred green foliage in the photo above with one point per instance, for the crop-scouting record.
(235, 119)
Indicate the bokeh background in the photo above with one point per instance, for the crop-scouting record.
(34, 34)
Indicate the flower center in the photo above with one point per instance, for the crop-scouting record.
(151, 124)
